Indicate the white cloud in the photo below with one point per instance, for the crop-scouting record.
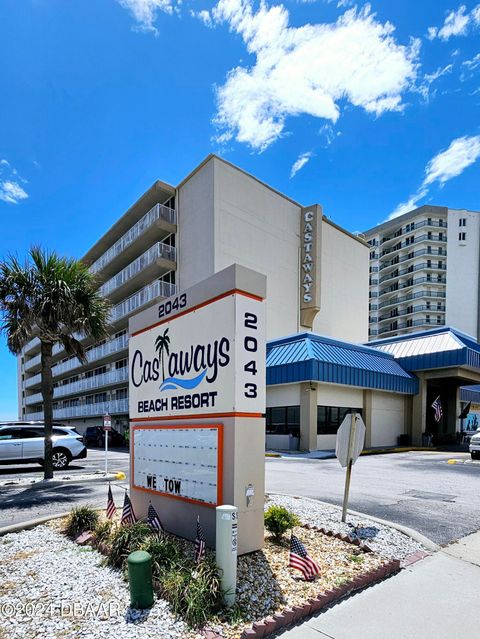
(300, 162)
(12, 192)
(456, 23)
(10, 189)
(462, 153)
(145, 11)
(308, 70)
(473, 63)
(429, 79)
(204, 16)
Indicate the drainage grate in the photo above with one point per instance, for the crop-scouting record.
(420, 494)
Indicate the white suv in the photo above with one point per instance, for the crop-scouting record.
(23, 443)
(475, 445)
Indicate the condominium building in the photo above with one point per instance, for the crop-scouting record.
(176, 236)
(424, 272)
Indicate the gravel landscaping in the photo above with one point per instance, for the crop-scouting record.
(387, 542)
(50, 588)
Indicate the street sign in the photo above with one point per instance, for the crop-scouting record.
(343, 440)
(107, 422)
(350, 442)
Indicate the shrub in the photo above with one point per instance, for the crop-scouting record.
(165, 554)
(194, 592)
(81, 519)
(125, 540)
(278, 520)
(103, 532)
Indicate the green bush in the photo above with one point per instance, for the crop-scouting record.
(81, 519)
(194, 592)
(127, 539)
(103, 532)
(278, 520)
(165, 554)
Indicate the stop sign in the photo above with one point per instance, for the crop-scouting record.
(350, 439)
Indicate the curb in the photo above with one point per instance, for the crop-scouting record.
(59, 482)
(31, 523)
(409, 532)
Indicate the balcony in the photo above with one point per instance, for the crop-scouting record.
(440, 224)
(412, 296)
(424, 266)
(113, 407)
(420, 280)
(140, 298)
(160, 258)
(411, 256)
(415, 309)
(159, 216)
(83, 385)
(420, 322)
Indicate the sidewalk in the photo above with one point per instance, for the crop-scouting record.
(436, 598)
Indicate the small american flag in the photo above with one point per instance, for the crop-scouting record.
(437, 406)
(128, 516)
(199, 543)
(300, 560)
(111, 508)
(154, 520)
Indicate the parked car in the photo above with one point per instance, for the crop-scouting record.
(474, 446)
(23, 443)
(95, 435)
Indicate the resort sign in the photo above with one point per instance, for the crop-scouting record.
(310, 238)
(197, 403)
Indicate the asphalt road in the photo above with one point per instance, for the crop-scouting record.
(416, 489)
(419, 490)
(22, 503)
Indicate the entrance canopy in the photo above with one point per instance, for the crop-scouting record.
(439, 348)
(309, 357)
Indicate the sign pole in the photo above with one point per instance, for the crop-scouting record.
(351, 441)
(107, 426)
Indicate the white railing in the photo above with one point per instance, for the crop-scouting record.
(113, 407)
(84, 384)
(159, 211)
(159, 250)
(141, 297)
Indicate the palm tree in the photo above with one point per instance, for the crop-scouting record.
(55, 299)
(162, 345)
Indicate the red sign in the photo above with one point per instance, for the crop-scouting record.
(107, 422)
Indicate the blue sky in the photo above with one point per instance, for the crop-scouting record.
(368, 110)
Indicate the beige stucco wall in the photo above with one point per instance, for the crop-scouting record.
(195, 237)
(344, 287)
(388, 418)
(258, 228)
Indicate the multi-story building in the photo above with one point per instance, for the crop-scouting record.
(174, 237)
(424, 272)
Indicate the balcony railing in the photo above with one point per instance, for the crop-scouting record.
(417, 267)
(412, 227)
(157, 251)
(411, 296)
(145, 295)
(112, 407)
(159, 211)
(415, 309)
(440, 251)
(419, 322)
(84, 384)
(419, 280)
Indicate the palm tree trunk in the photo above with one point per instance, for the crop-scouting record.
(47, 394)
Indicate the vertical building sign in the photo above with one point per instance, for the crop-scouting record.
(310, 236)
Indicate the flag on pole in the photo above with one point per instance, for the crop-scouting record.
(300, 560)
(128, 516)
(437, 407)
(465, 411)
(111, 508)
(199, 543)
(154, 520)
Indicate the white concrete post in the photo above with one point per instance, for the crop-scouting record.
(226, 550)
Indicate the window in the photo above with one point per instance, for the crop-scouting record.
(120, 364)
(439, 319)
(330, 418)
(283, 420)
(462, 221)
(462, 237)
(100, 397)
(121, 393)
(427, 319)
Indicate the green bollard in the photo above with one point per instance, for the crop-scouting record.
(140, 579)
